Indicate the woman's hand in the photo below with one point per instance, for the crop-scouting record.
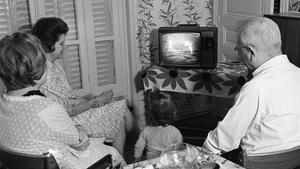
(84, 141)
(98, 103)
(90, 101)
(81, 107)
(103, 98)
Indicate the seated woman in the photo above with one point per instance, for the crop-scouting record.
(30, 122)
(98, 121)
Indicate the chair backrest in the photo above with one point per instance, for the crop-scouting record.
(16, 160)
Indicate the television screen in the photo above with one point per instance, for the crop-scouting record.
(180, 48)
(187, 47)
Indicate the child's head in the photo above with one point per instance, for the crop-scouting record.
(162, 109)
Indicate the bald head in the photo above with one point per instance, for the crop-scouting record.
(263, 34)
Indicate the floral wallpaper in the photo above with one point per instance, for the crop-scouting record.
(294, 5)
(153, 14)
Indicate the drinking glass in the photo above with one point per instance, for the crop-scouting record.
(179, 156)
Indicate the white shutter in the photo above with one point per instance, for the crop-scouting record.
(14, 16)
(102, 18)
(68, 13)
(106, 51)
(21, 15)
(103, 47)
(105, 63)
(5, 27)
(72, 64)
(51, 8)
(5, 18)
(67, 10)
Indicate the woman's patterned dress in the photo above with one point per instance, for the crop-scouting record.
(104, 121)
(36, 125)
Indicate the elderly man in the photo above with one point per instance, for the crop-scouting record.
(265, 119)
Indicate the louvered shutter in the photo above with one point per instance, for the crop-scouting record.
(72, 61)
(104, 48)
(14, 16)
(5, 18)
(66, 9)
(21, 15)
(107, 60)
(105, 63)
(51, 8)
(5, 27)
(72, 66)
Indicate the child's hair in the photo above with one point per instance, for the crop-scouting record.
(22, 60)
(162, 109)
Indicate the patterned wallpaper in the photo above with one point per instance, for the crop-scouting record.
(153, 14)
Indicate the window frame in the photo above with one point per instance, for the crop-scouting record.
(87, 48)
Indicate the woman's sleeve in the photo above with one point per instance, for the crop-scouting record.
(140, 145)
(60, 126)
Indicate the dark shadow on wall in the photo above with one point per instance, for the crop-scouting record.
(153, 48)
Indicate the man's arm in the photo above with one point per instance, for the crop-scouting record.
(229, 132)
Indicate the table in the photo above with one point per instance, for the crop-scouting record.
(224, 163)
(223, 81)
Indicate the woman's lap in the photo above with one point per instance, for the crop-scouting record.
(72, 159)
(104, 121)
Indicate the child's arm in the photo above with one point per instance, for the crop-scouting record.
(139, 146)
(178, 136)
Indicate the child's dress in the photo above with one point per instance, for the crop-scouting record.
(155, 140)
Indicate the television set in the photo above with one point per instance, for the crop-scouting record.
(188, 46)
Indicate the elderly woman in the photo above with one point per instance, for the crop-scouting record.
(30, 122)
(110, 121)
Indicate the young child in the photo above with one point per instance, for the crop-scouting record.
(158, 134)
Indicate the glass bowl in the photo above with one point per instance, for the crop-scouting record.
(179, 156)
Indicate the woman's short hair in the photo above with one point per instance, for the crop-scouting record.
(162, 109)
(48, 30)
(22, 60)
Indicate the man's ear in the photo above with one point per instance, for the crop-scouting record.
(36, 82)
(252, 51)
